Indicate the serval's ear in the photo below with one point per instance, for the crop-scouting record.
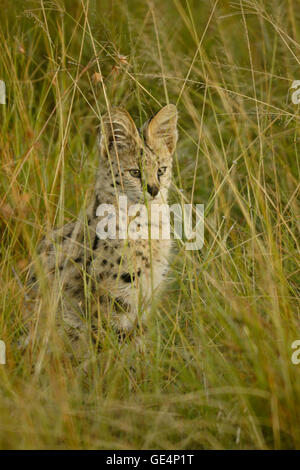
(161, 129)
(118, 131)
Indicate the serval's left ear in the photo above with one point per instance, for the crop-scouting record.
(161, 129)
(118, 131)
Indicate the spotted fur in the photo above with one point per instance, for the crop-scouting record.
(121, 276)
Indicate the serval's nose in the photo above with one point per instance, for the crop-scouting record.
(153, 190)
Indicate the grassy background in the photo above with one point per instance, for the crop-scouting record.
(217, 372)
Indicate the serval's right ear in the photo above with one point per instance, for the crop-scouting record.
(161, 129)
(117, 131)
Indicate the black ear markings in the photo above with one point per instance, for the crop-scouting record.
(145, 127)
(118, 136)
(152, 117)
(118, 131)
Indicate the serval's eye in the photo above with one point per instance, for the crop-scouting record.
(161, 171)
(135, 173)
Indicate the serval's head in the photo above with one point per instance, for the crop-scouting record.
(140, 161)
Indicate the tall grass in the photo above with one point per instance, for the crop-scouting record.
(217, 371)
